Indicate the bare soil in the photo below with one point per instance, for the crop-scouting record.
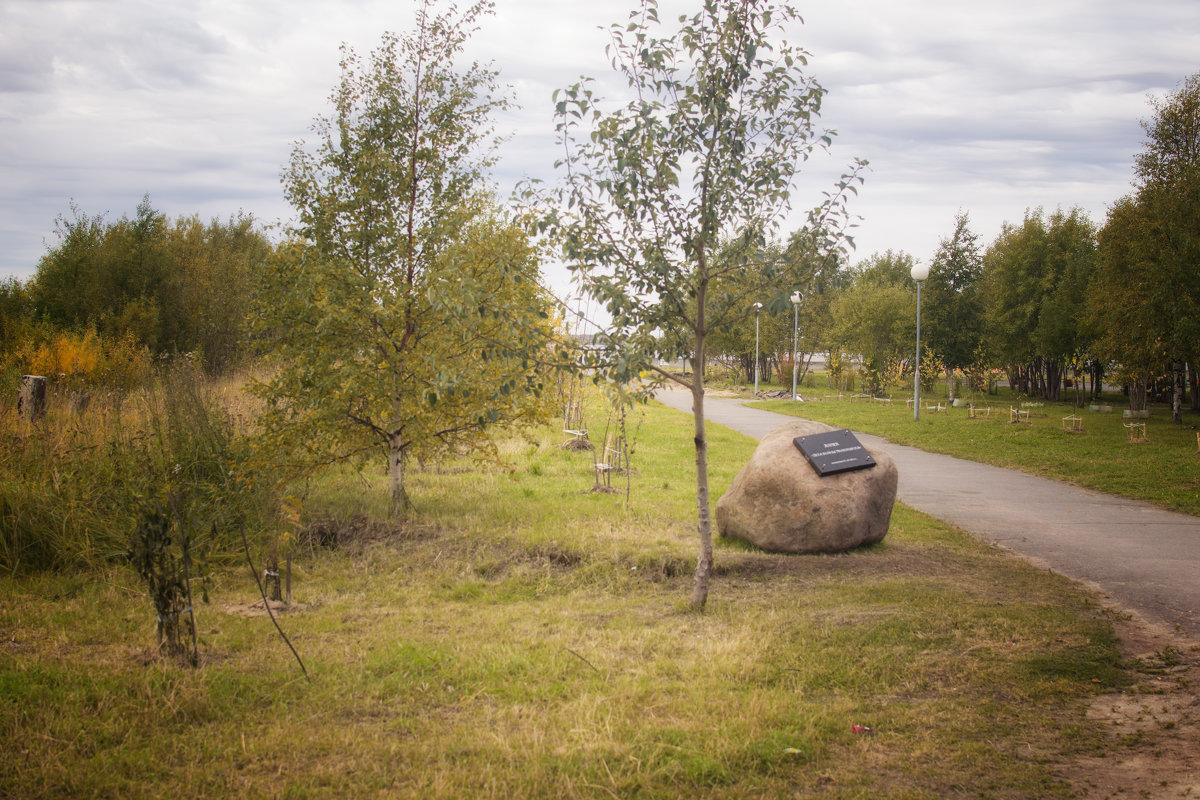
(1154, 725)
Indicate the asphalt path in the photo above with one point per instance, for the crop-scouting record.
(1143, 558)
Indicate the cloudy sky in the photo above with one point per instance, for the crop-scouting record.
(987, 107)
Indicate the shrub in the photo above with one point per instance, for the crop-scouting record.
(85, 362)
(73, 488)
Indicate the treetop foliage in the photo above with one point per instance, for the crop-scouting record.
(1144, 298)
(172, 285)
(701, 160)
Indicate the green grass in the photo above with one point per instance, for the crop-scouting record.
(1164, 471)
(521, 638)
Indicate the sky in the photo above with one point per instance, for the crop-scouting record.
(987, 108)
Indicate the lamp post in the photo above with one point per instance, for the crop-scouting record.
(797, 296)
(757, 308)
(919, 273)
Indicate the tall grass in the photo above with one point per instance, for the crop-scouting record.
(73, 485)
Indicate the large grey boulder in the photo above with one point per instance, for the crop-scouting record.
(778, 502)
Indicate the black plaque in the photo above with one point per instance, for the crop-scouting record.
(834, 452)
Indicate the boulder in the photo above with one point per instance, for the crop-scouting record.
(778, 502)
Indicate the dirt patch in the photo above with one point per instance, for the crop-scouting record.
(872, 561)
(1153, 727)
(259, 609)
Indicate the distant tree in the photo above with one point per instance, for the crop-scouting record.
(769, 277)
(16, 313)
(1152, 241)
(875, 315)
(67, 289)
(819, 265)
(1127, 307)
(173, 286)
(704, 156)
(209, 288)
(1035, 287)
(407, 316)
(1168, 171)
(733, 305)
(951, 298)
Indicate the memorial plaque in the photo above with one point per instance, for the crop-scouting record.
(834, 451)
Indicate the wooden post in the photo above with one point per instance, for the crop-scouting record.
(31, 400)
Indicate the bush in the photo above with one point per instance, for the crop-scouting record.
(84, 362)
(74, 487)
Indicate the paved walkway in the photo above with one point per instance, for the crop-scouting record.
(1144, 558)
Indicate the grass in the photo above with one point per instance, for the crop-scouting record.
(520, 637)
(1164, 471)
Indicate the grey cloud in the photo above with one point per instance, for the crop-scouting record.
(987, 107)
(26, 60)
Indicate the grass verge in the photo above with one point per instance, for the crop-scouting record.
(1165, 470)
(521, 637)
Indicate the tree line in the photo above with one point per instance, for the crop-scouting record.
(1054, 301)
(154, 284)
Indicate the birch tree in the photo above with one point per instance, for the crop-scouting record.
(406, 315)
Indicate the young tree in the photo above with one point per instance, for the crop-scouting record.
(703, 157)
(407, 314)
(952, 304)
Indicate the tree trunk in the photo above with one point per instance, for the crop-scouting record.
(1194, 387)
(1137, 396)
(396, 475)
(1097, 380)
(31, 400)
(1054, 376)
(1177, 392)
(704, 562)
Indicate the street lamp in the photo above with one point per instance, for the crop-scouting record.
(757, 308)
(919, 273)
(796, 298)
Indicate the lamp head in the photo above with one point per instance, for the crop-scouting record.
(797, 296)
(919, 272)
(757, 307)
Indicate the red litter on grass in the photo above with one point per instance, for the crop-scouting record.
(861, 729)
